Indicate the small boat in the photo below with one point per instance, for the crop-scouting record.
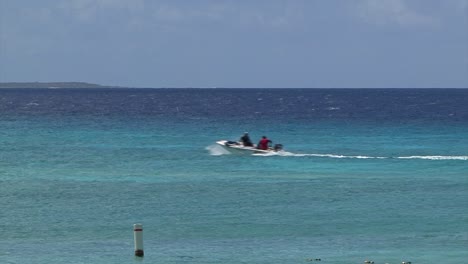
(239, 147)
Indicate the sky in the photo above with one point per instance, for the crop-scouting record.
(237, 43)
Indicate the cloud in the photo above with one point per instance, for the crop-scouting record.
(393, 12)
(178, 15)
(88, 10)
(463, 4)
(188, 13)
(154, 15)
(38, 15)
(277, 14)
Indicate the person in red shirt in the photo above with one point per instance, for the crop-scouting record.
(263, 143)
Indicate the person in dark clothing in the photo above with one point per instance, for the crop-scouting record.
(263, 143)
(245, 139)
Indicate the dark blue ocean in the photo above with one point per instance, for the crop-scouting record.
(367, 174)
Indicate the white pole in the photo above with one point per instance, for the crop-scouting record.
(138, 235)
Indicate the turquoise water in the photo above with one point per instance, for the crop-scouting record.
(345, 191)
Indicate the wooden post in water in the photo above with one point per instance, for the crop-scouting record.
(138, 236)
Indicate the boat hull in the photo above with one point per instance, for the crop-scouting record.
(239, 148)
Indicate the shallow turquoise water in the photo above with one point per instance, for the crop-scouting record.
(71, 188)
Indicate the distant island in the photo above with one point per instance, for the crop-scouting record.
(52, 85)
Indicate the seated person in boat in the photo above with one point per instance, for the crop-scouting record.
(245, 140)
(264, 143)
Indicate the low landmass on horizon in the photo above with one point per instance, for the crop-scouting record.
(52, 85)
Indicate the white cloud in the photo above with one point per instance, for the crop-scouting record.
(391, 12)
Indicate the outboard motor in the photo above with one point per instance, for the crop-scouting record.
(278, 147)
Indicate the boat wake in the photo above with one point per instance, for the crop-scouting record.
(436, 157)
(337, 156)
(216, 150)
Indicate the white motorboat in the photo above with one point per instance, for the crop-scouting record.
(239, 147)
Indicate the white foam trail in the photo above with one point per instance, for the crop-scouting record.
(436, 157)
(335, 156)
(338, 156)
(216, 150)
(267, 154)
